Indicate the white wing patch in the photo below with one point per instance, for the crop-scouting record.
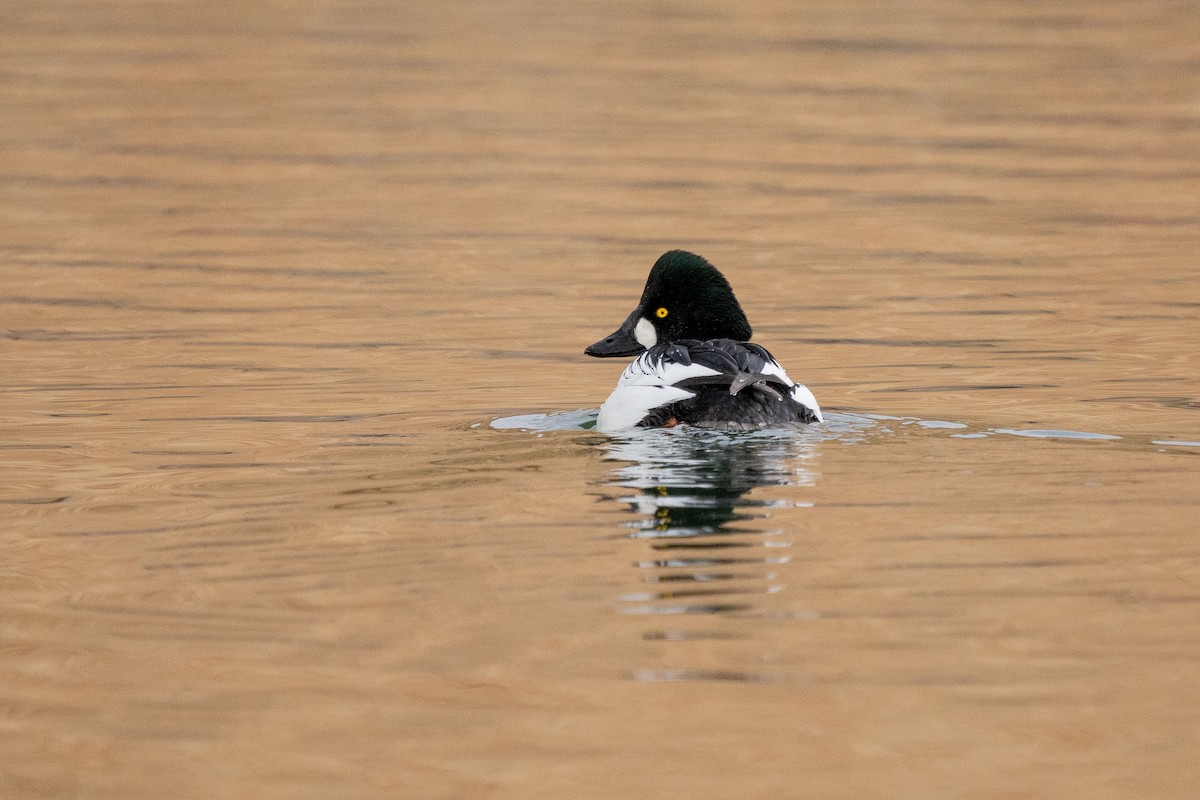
(802, 395)
(629, 405)
(657, 371)
(800, 392)
(645, 385)
(648, 383)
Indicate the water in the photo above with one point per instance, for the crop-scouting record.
(299, 490)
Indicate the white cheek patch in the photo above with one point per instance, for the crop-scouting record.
(645, 334)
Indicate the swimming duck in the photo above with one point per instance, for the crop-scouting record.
(695, 362)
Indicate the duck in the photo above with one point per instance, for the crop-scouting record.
(695, 363)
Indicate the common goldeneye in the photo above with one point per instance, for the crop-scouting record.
(696, 365)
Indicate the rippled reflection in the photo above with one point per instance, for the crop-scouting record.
(709, 550)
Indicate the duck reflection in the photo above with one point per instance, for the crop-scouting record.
(709, 552)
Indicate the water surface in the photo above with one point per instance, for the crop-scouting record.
(299, 493)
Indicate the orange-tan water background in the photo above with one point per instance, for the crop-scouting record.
(271, 271)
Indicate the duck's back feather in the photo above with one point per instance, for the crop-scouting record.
(719, 383)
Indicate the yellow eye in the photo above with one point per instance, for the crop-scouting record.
(662, 312)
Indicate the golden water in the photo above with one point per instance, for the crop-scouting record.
(272, 270)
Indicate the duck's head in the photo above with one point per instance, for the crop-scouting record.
(685, 298)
